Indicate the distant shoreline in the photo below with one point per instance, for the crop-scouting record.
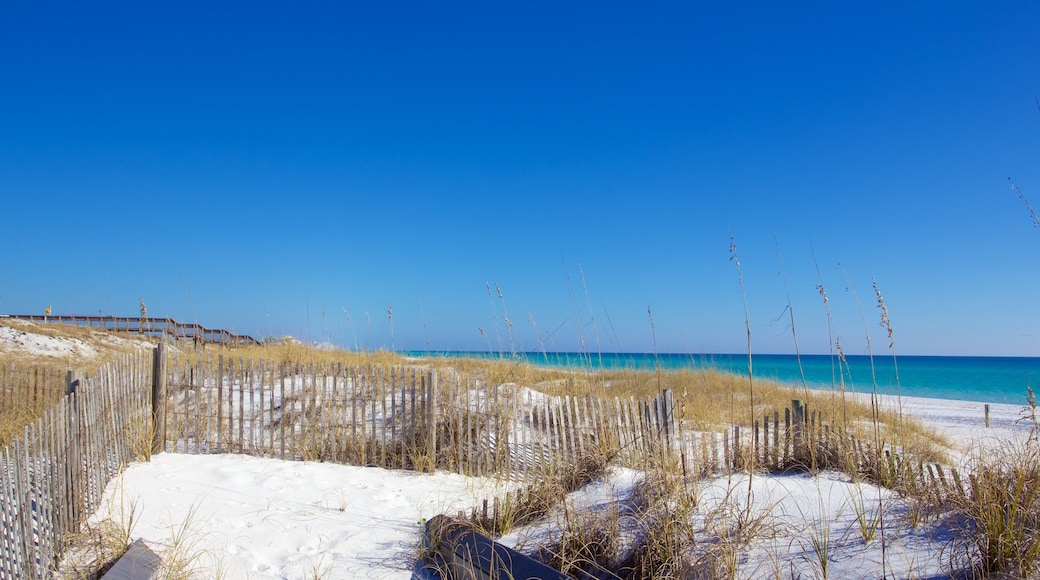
(1002, 380)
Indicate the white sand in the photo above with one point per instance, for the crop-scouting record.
(246, 517)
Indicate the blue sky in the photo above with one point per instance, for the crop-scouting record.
(275, 169)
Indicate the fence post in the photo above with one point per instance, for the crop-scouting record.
(72, 380)
(159, 398)
(798, 426)
(74, 445)
(668, 417)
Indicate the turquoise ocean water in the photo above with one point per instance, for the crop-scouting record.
(982, 379)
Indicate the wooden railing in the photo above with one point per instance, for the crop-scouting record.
(157, 327)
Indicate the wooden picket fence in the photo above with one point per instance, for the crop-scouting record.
(397, 417)
(53, 476)
(26, 391)
(411, 417)
(365, 415)
(407, 417)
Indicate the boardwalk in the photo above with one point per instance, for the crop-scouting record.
(157, 327)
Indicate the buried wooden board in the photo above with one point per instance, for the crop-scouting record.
(453, 550)
(139, 562)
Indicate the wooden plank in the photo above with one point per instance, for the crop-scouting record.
(74, 466)
(7, 557)
(414, 418)
(330, 429)
(357, 374)
(60, 459)
(788, 439)
(86, 432)
(432, 411)
(284, 404)
(23, 502)
(482, 438)
(564, 425)
(321, 422)
(219, 384)
(290, 413)
(378, 401)
(563, 429)
(340, 394)
(12, 530)
(635, 409)
(48, 486)
(625, 433)
(579, 426)
(364, 442)
(405, 461)
(34, 503)
(211, 432)
(159, 398)
(462, 424)
(618, 422)
(609, 415)
(508, 459)
(254, 411)
(139, 562)
(777, 456)
(338, 404)
(238, 376)
(391, 417)
(53, 494)
(594, 423)
(267, 427)
(464, 553)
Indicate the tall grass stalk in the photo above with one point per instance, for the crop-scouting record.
(592, 316)
(751, 383)
(578, 322)
(874, 403)
(790, 312)
(886, 323)
(491, 349)
(819, 538)
(390, 318)
(657, 360)
(351, 325)
(1029, 206)
(538, 335)
(868, 520)
(507, 320)
(494, 317)
(831, 340)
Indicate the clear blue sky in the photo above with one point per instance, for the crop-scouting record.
(264, 166)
